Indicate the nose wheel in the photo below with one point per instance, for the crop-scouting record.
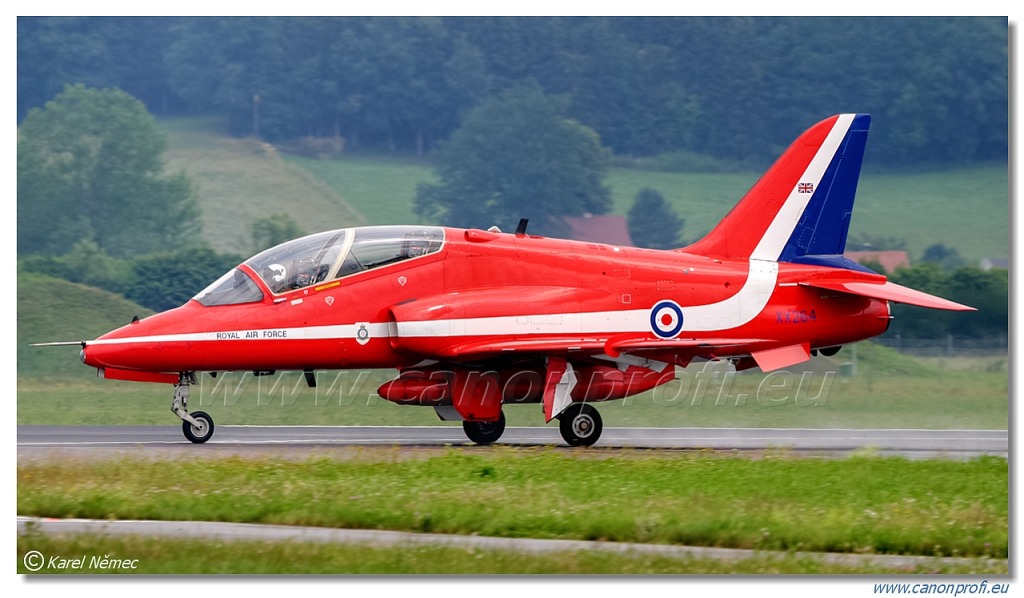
(197, 426)
(200, 431)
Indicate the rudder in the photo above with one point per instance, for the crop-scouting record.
(825, 222)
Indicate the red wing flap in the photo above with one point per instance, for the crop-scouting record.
(615, 346)
(487, 348)
(890, 291)
(774, 359)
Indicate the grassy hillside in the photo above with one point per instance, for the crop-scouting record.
(965, 208)
(382, 189)
(240, 180)
(52, 310)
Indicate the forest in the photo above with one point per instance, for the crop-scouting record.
(734, 88)
(515, 114)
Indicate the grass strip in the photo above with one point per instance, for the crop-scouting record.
(863, 504)
(257, 557)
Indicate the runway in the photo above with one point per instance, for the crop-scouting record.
(954, 444)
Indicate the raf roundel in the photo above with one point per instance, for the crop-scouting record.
(666, 319)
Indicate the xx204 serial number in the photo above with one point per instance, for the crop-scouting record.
(800, 316)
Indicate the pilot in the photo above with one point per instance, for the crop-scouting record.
(276, 277)
(307, 272)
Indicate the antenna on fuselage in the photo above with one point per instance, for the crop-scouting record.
(521, 229)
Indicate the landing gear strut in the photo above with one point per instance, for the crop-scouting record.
(580, 424)
(485, 432)
(197, 426)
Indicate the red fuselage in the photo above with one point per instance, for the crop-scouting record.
(489, 293)
(475, 319)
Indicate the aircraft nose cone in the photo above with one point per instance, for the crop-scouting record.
(94, 356)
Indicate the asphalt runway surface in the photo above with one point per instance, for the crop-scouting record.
(298, 440)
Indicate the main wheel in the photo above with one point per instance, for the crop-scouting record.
(580, 425)
(485, 432)
(201, 433)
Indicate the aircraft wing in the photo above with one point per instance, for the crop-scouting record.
(613, 347)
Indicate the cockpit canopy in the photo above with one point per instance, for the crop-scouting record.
(323, 257)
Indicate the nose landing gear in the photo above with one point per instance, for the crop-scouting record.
(197, 426)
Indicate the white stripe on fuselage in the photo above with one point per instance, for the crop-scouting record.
(339, 331)
(781, 229)
(732, 312)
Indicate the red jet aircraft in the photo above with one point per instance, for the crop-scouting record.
(473, 319)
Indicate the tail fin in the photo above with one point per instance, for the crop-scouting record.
(799, 211)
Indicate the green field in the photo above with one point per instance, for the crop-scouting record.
(381, 188)
(964, 208)
(257, 558)
(240, 180)
(954, 400)
(859, 504)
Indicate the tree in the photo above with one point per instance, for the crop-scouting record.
(514, 157)
(90, 167)
(989, 293)
(164, 280)
(718, 86)
(947, 257)
(652, 223)
(273, 230)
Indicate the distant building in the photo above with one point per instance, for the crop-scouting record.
(608, 229)
(890, 260)
(995, 262)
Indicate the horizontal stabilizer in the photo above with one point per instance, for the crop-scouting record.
(889, 291)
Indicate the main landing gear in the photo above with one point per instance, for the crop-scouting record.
(580, 425)
(485, 432)
(197, 426)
